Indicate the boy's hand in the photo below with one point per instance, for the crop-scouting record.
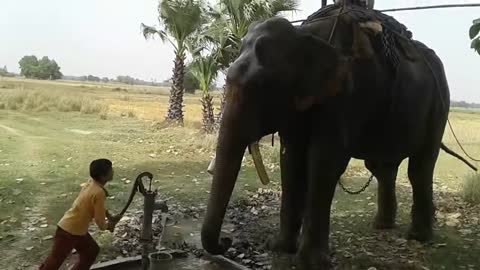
(115, 218)
(111, 226)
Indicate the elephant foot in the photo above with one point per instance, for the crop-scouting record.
(382, 223)
(314, 260)
(422, 234)
(282, 244)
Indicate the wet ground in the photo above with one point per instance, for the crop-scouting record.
(183, 233)
(190, 263)
(355, 245)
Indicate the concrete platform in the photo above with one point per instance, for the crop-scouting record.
(208, 262)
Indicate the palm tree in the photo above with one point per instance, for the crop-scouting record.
(179, 20)
(232, 20)
(474, 31)
(205, 69)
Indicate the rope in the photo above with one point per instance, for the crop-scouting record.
(424, 58)
(431, 7)
(458, 142)
(321, 18)
(444, 105)
(335, 25)
(394, 10)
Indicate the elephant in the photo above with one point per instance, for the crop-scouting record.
(329, 102)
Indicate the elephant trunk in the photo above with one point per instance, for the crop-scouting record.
(229, 155)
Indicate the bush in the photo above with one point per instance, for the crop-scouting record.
(119, 89)
(103, 115)
(30, 100)
(471, 188)
(90, 106)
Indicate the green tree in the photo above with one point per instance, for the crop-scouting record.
(190, 83)
(474, 35)
(4, 72)
(55, 70)
(28, 66)
(44, 68)
(205, 69)
(179, 20)
(231, 23)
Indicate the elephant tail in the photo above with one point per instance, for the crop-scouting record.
(451, 152)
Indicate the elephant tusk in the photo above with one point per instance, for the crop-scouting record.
(257, 160)
(211, 166)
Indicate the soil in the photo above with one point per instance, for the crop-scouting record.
(250, 222)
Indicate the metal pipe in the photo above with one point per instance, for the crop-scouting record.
(148, 206)
(146, 237)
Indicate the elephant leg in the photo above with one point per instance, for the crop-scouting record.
(323, 175)
(386, 175)
(294, 185)
(420, 173)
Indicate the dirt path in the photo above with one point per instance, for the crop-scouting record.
(10, 130)
(28, 149)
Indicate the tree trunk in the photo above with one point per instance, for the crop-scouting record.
(219, 116)
(208, 117)
(175, 110)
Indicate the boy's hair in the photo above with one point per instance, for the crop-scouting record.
(100, 168)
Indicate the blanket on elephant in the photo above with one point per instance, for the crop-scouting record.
(388, 36)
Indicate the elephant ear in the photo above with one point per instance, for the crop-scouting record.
(326, 72)
(262, 51)
(266, 52)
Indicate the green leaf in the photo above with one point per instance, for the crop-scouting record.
(474, 30)
(475, 44)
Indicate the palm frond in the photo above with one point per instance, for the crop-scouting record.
(181, 18)
(205, 69)
(234, 20)
(148, 31)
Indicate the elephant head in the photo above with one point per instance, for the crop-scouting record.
(281, 70)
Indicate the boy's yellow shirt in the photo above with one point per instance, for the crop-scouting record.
(90, 204)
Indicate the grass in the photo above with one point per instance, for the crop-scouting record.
(45, 152)
(471, 189)
(44, 100)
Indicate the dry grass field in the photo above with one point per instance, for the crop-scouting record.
(50, 131)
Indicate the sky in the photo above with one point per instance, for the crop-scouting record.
(103, 37)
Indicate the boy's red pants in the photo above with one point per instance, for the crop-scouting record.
(63, 245)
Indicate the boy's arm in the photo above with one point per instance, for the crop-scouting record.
(100, 211)
(113, 218)
(109, 216)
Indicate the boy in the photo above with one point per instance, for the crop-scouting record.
(72, 230)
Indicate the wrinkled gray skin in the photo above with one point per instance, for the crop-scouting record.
(329, 105)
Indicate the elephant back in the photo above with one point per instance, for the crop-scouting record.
(361, 14)
(392, 39)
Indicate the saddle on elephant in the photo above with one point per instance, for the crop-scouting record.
(376, 32)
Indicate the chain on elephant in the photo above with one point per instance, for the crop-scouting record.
(367, 184)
